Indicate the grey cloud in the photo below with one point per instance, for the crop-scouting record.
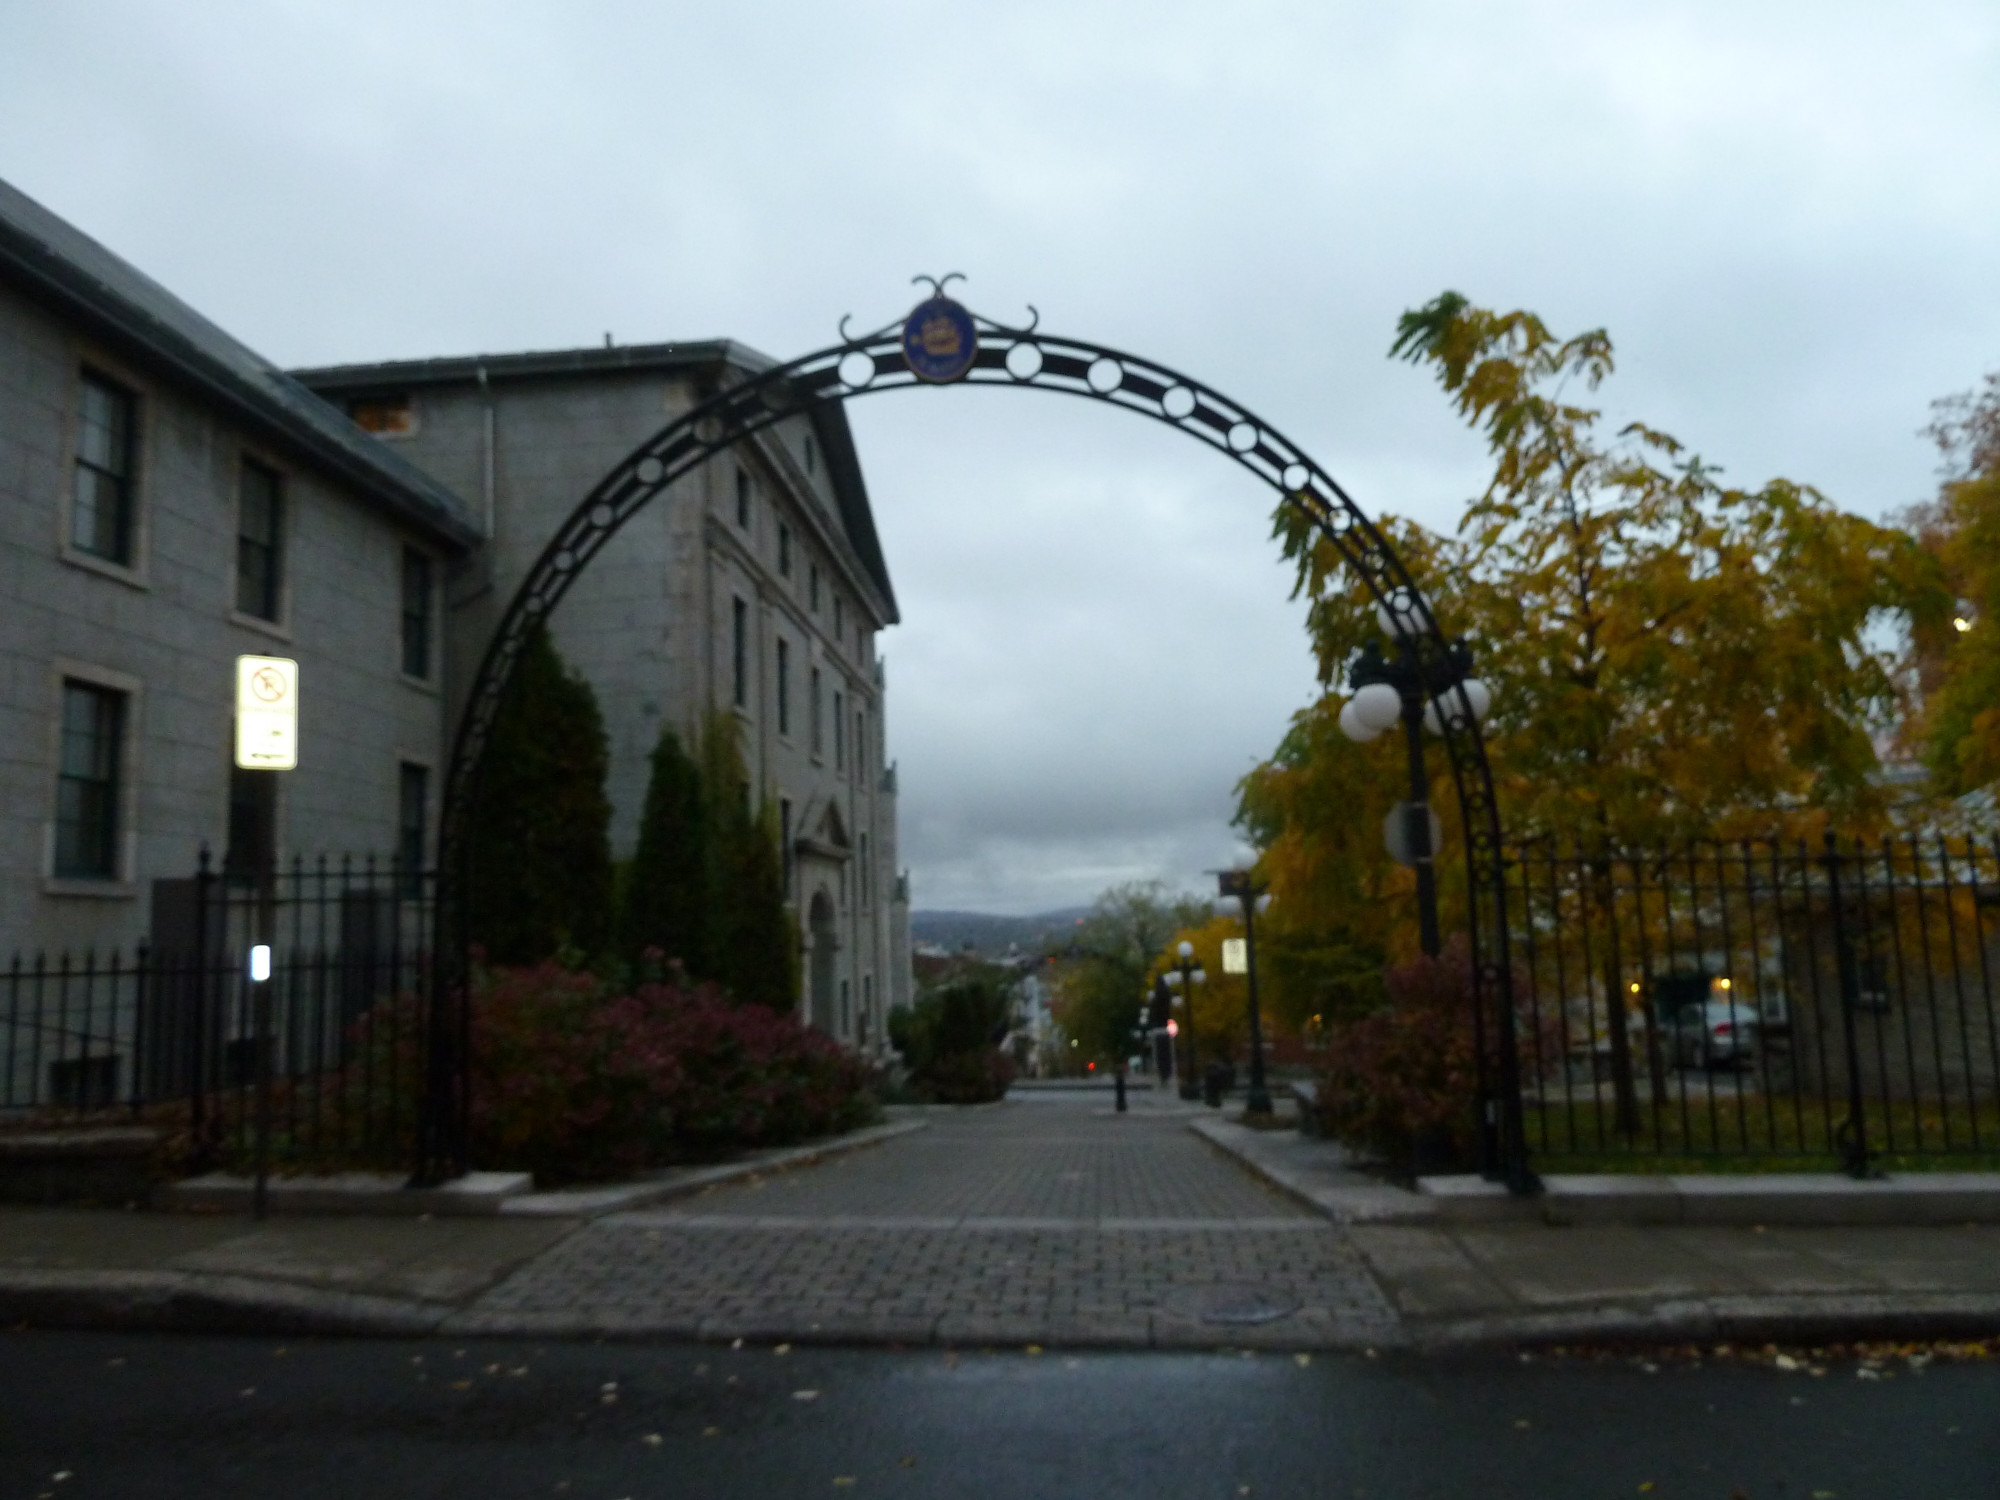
(1785, 214)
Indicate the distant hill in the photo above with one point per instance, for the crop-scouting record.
(989, 934)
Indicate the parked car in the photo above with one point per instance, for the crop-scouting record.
(1711, 1033)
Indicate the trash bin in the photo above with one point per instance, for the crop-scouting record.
(1215, 1083)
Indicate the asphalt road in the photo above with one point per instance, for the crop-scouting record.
(93, 1415)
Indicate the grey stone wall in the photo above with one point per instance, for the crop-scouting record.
(650, 623)
(165, 631)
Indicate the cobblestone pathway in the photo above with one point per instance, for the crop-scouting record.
(1045, 1220)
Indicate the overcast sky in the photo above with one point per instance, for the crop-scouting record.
(1788, 216)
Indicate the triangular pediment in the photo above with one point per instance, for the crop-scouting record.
(824, 833)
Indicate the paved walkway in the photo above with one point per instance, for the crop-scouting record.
(1046, 1219)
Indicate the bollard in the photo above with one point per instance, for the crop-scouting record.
(1121, 1091)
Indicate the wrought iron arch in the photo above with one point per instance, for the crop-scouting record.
(1008, 356)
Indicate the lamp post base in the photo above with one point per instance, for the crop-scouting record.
(1258, 1102)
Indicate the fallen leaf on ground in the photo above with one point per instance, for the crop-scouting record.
(1302, 1360)
(782, 1349)
(652, 1440)
(711, 1432)
(805, 1395)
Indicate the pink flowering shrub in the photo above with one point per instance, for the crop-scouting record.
(575, 1081)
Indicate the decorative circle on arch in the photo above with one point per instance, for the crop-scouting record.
(942, 343)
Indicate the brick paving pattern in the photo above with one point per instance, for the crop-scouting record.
(1040, 1221)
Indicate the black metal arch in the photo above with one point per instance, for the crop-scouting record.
(1030, 359)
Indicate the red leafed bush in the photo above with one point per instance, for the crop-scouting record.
(577, 1082)
(1401, 1083)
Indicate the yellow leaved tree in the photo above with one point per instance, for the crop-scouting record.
(1670, 657)
(1959, 732)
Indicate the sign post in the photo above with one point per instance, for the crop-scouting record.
(267, 739)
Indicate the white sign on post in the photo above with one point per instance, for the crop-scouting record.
(1235, 956)
(267, 713)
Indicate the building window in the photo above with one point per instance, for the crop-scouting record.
(839, 619)
(818, 719)
(812, 588)
(259, 541)
(812, 457)
(385, 416)
(743, 499)
(784, 686)
(867, 876)
(419, 593)
(785, 842)
(860, 744)
(784, 549)
(93, 744)
(252, 849)
(413, 790)
(839, 732)
(101, 521)
(846, 1005)
(739, 644)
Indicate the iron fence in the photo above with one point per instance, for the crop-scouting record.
(1801, 1003)
(315, 1065)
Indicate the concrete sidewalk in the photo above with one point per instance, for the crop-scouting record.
(1469, 1267)
(348, 1255)
(1048, 1221)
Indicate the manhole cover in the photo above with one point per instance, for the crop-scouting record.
(1235, 1306)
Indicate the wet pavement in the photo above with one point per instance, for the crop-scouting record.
(92, 1415)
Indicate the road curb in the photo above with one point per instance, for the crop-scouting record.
(177, 1301)
(1737, 1319)
(1375, 1203)
(595, 1203)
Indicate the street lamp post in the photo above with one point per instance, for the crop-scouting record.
(1243, 887)
(1413, 688)
(1184, 976)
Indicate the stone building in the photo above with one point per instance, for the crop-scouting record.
(755, 586)
(169, 501)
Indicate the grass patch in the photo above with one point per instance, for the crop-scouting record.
(1757, 1134)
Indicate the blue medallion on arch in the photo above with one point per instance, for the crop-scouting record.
(939, 341)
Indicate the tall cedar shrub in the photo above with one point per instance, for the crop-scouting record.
(541, 843)
(671, 896)
(756, 947)
(761, 960)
